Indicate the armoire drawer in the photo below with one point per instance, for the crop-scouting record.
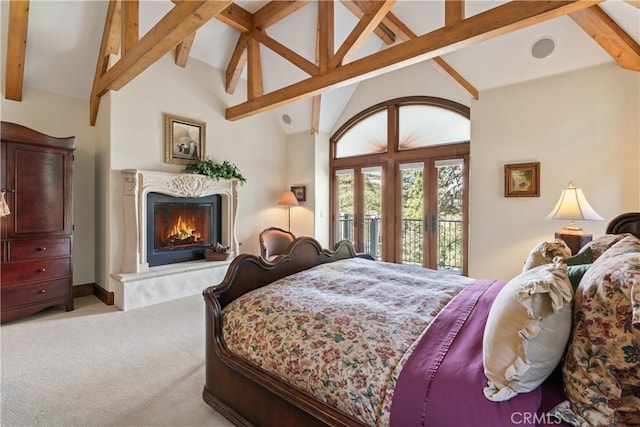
(34, 271)
(34, 292)
(27, 250)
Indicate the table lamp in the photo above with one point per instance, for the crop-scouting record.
(573, 206)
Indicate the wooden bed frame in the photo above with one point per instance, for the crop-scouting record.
(247, 395)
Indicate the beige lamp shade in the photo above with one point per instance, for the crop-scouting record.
(288, 199)
(573, 206)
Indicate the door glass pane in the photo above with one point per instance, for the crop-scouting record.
(373, 211)
(450, 215)
(368, 136)
(426, 125)
(412, 213)
(344, 216)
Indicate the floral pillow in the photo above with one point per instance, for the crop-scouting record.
(601, 369)
(600, 244)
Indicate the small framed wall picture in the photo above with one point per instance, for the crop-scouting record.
(300, 192)
(522, 180)
(184, 140)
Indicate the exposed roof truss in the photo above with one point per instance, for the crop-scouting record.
(178, 29)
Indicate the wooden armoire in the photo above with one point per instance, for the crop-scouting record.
(36, 235)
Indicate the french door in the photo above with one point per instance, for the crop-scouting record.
(431, 205)
(359, 216)
(399, 182)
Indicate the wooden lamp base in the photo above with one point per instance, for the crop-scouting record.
(575, 239)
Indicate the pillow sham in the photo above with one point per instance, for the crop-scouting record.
(601, 369)
(527, 330)
(575, 273)
(577, 265)
(582, 257)
(600, 244)
(544, 252)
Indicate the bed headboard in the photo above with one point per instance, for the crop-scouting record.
(626, 223)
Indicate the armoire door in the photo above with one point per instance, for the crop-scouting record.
(38, 190)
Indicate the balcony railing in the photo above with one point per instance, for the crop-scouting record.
(449, 240)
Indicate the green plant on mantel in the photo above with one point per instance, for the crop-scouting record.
(224, 170)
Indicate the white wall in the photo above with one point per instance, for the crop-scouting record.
(420, 79)
(321, 166)
(300, 171)
(255, 144)
(63, 116)
(581, 126)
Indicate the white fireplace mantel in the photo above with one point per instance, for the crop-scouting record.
(137, 284)
(138, 183)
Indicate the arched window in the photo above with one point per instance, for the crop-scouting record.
(399, 173)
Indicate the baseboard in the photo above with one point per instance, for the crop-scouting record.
(93, 289)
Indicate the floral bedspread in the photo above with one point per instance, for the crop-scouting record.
(340, 331)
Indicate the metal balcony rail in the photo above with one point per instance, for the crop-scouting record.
(449, 240)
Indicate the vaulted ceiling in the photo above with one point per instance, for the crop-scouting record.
(303, 59)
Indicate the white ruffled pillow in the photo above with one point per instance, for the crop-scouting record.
(545, 252)
(527, 330)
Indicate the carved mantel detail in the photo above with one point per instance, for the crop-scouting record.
(138, 183)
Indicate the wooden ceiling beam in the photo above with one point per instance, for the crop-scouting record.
(325, 34)
(358, 8)
(246, 22)
(254, 72)
(275, 11)
(324, 52)
(183, 50)
(236, 64)
(110, 44)
(610, 36)
(129, 19)
(180, 22)
(492, 23)
(315, 114)
(455, 11)
(291, 56)
(634, 3)
(16, 49)
(363, 29)
(236, 17)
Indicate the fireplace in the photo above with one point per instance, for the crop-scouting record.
(179, 229)
(205, 212)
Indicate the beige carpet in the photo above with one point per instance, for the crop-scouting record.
(97, 366)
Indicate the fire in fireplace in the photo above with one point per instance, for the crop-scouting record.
(179, 229)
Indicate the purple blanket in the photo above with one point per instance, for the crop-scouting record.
(441, 384)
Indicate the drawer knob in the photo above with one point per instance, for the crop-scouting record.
(42, 248)
(43, 291)
(42, 270)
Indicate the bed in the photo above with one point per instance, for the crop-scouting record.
(385, 351)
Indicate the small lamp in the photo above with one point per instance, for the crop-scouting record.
(573, 206)
(288, 199)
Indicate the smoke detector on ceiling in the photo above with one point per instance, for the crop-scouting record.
(286, 119)
(543, 47)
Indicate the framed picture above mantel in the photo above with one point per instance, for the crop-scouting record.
(522, 180)
(184, 140)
